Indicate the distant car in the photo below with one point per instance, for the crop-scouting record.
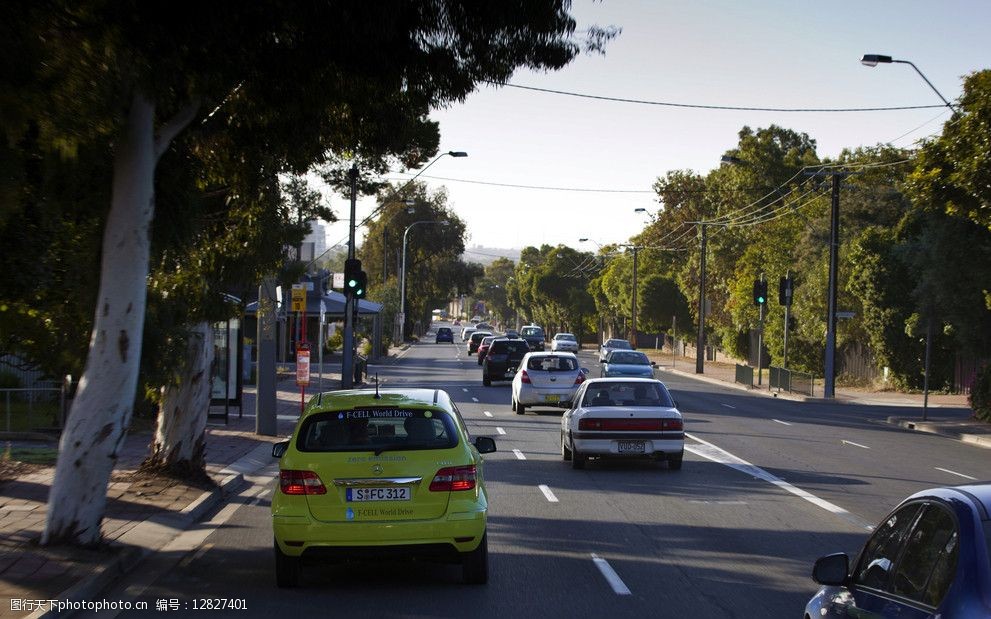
(927, 558)
(627, 363)
(444, 334)
(476, 339)
(483, 347)
(503, 360)
(466, 333)
(512, 333)
(483, 326)
(564, 342)
(375, 472)
(546, 379)
(611, 345)
(534, 336)
(623, 418)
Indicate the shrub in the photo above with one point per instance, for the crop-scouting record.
(9, 380)
(980, 394)
(335, 342)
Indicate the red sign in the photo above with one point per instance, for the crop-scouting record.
(303, 366)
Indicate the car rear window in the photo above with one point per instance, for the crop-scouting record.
(377, 429)
(443, 331)
(532, 331)
(507, 346)
(552, 364)
(627, 394)
(620, 344)
(631, 358)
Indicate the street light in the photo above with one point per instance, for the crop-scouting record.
(402, 278)
(872, 60)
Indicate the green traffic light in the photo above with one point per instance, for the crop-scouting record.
(352, 283)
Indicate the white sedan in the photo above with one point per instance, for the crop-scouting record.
(564, 342)
(546, 379)
(623, 418)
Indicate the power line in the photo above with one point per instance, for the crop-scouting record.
(539, 187)
(711, 107)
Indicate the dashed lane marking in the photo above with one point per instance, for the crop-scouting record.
(955, 473)
(500, 431)
(617, 584)
(519, 454)
(547, 493)
(855, 444)
(487, 413)
(784, 423)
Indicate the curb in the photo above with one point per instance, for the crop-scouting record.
(154, 533)
(739, 387)
(923, 426)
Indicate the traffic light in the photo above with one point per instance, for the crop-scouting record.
(352, 268)
(760, 292)
(786, 290)
(361, 285)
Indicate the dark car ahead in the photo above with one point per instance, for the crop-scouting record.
(483, 348)
(927, 558)
(444, 334)
(534, 336)
(503, 359)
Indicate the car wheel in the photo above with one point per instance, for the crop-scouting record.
(520, 409)
(578, 459)
(565, 452)
(286, 569)
(486, 381)
(674, 462)
(475, 564)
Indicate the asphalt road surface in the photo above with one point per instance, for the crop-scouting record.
(768, 486)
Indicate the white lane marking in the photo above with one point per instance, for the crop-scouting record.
(617, 584)
(784, 423)
(487, 413)
(718, 454)
(519, 454)
(474, 399)
(955, 473)
(500, 431)
(855, 444)
(707, 502)
(465, 390)
(547, 493)
(728, 406)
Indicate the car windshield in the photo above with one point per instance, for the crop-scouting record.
(552, 364)
(502, 347)
(619, 344)
(443, 331)
(376, 430)
(627, 394)
(629, 358)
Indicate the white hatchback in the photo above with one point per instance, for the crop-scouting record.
(546, 379)
(623, 418)
(564, 342)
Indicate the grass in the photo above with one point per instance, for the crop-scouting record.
(31, 455)
(23, 417)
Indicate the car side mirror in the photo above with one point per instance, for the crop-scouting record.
(485, 444)
(279, 449)
(831, 570)
(653, 364)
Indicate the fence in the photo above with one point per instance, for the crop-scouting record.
(32, 409)
(784, 379)
(744, 375)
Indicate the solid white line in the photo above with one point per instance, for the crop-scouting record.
(784, 423)
(718, 454)
(487, 413)
(955, 473)
(547, 493)
(500, 431)
(519, 454)
(610, 575)
(856, 444)
(728, 406)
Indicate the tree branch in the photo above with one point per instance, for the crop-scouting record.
(176, 124)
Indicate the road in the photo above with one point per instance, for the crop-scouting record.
(768, 486)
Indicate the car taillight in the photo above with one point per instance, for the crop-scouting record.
(524, 378)
(641, 425)
(453, 479)
(301, 482)
(580, 378)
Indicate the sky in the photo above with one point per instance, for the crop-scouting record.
(597, 160)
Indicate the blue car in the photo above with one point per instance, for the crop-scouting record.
(927, 558)
(444, 334)
(627, 363)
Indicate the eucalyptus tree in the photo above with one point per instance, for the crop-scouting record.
(295, 81)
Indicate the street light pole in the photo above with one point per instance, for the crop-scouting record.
(402, 276)
(633, 311)
(700, 338)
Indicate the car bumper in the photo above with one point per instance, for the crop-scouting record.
(551, 396)
(303, 536)
(598, 445)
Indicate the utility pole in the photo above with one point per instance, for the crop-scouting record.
(633, 322)
(829, 383)
(700, 340)
(350, 303)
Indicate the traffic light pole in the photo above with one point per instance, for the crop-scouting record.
(760, 341)
(347, 363)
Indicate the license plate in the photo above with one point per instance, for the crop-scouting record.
(552, 398)
(378, 494)
(631, 447)
(510, 374)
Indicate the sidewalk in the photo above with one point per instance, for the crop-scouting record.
(947, 414)
(143, 512)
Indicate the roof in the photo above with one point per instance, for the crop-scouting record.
(333, 302)
(388, 397)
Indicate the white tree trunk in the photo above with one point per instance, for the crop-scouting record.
(101, 410)
(179, 434)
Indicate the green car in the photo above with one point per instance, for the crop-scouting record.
(372, 474)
